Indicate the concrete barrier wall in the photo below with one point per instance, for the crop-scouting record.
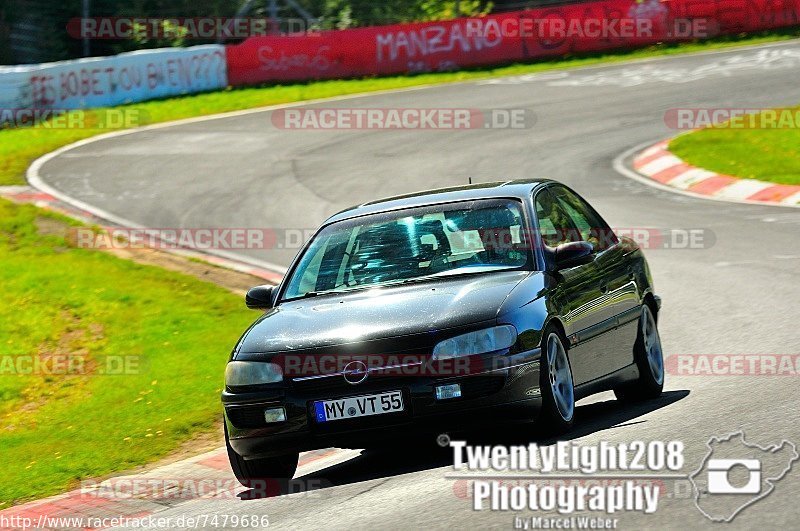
(501, 38)
(108, 81)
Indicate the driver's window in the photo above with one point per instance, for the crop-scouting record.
(591, 228)
(579, 219)
(555, 225)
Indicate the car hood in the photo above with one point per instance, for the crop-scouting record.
(391, 311)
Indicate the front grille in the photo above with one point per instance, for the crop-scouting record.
(246, 417)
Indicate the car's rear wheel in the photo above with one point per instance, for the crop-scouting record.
(558, 390)
(270, 474)
(649, 358)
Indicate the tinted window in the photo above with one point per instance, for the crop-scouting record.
(473, 237)
(590, 226)
(555, 225)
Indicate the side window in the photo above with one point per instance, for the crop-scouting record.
(590, 227)
(555, 225)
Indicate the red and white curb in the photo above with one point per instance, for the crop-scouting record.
(102, 504)
(661, 165)
(30, 195)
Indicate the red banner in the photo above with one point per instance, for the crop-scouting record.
(496, 39)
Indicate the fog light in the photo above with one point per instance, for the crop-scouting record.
(275, 414)
(443, 392)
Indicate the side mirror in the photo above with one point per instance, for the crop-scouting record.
(260, 297)
(573, 254)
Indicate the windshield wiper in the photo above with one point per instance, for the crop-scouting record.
(306, 295)
(459, 271)
(309, 294)
(449, 273)
(445, 274)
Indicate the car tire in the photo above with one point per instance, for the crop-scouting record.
(556, 384)
(649, 358)
(271, 474)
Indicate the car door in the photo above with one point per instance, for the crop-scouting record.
(576, 294)
(618, 307)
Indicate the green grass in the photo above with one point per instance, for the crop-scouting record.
(766, 154)
(19, 147)
(58, 300)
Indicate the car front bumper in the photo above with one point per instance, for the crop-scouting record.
(505, 394)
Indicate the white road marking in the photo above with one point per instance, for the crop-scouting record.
(644, 74)
(565, 75)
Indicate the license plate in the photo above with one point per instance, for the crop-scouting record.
(358, 406)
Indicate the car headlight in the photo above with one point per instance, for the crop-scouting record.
(479, 342)
(252, 373)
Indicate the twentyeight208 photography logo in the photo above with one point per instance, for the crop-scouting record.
(735, 474)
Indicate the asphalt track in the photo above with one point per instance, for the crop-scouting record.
(738, 295)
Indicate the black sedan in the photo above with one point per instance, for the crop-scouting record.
(437, 310)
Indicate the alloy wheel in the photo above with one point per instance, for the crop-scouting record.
(652, 345)
(560, 377)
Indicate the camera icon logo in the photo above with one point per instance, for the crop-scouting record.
(719, 476)
(735, 474)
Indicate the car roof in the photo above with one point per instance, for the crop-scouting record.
(518, 189)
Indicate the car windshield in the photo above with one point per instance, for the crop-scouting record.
(407, 245)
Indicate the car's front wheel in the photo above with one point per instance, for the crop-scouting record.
(270, 475)
(558, 390)
(649, 358)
